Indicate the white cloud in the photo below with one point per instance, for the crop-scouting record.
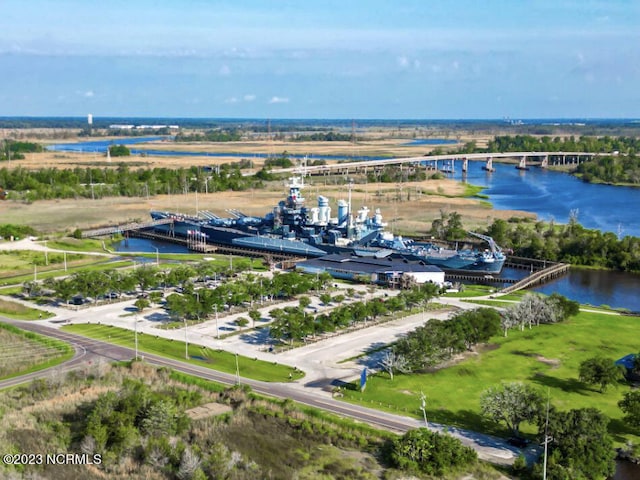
(88, 93)
(231, 100)
(224, 70)
(279, 100)
(403, 61)
(249, 97)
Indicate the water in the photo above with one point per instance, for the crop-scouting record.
(553, 195)
(550, 195)
(430, 141)
(597, 287)
(142, 245)
(101, 146)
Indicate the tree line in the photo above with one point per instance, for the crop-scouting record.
(217, 135)
(15, 150)
(296, 324)
(90, 182)
(528, 143)
(570, 243)
(611, 169)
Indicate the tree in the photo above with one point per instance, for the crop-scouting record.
(145, 277)
(255, 315)
(600, 371)
(428, 452)
(581, 447)
(304, 302)
(242, 322)
(630, 405)
(141, 304)
(325, 298)
(394, 362)
(119, 151)
(511, 403)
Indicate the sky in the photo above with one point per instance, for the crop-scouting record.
(422, 59)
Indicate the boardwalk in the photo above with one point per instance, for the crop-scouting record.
(539, 277)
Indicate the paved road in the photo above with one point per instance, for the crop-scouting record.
(489, 448)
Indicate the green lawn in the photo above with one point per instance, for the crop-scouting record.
(19, 311)
(473, 291)
(203, 356)
(547, 357)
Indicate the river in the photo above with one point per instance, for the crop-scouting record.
(548, 194)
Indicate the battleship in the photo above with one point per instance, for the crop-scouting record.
(293, 228)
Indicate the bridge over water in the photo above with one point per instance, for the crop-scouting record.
(542, 159)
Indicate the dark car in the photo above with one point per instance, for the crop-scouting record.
(518, 442)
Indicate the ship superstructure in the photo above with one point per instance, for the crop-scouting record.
(292, 227)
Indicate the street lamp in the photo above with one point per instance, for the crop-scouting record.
(186, 345)
(217, 329)
(237, 371)
(423, 407)
(135, 335)
(157, 256)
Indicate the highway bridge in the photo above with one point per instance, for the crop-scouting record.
(542, 159)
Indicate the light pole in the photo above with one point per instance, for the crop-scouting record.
(46, 254)
(423, 407)
(547, 439)
(157, 256)
(217, 329)
(237, 371)
(65, 261)
(186, 345)
(135, 335)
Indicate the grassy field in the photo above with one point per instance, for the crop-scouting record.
(202, 356)
(547, 357)
(19, 311)
(99, 263)
(25, 352)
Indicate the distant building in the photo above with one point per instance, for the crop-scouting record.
(385, 268)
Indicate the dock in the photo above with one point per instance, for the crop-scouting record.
(538, 278)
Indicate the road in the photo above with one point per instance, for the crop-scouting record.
(489, 448)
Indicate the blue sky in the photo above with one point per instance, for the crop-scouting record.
(321, 59)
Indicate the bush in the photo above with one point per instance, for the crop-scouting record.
(429, 452)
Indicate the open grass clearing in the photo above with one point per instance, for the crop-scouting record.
(547, 357)
(97, 264)
(199, 355)
(25, 352)
(18, 311)
(472, 291)
(76, 244)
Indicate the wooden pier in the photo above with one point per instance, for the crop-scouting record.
(539, 277)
